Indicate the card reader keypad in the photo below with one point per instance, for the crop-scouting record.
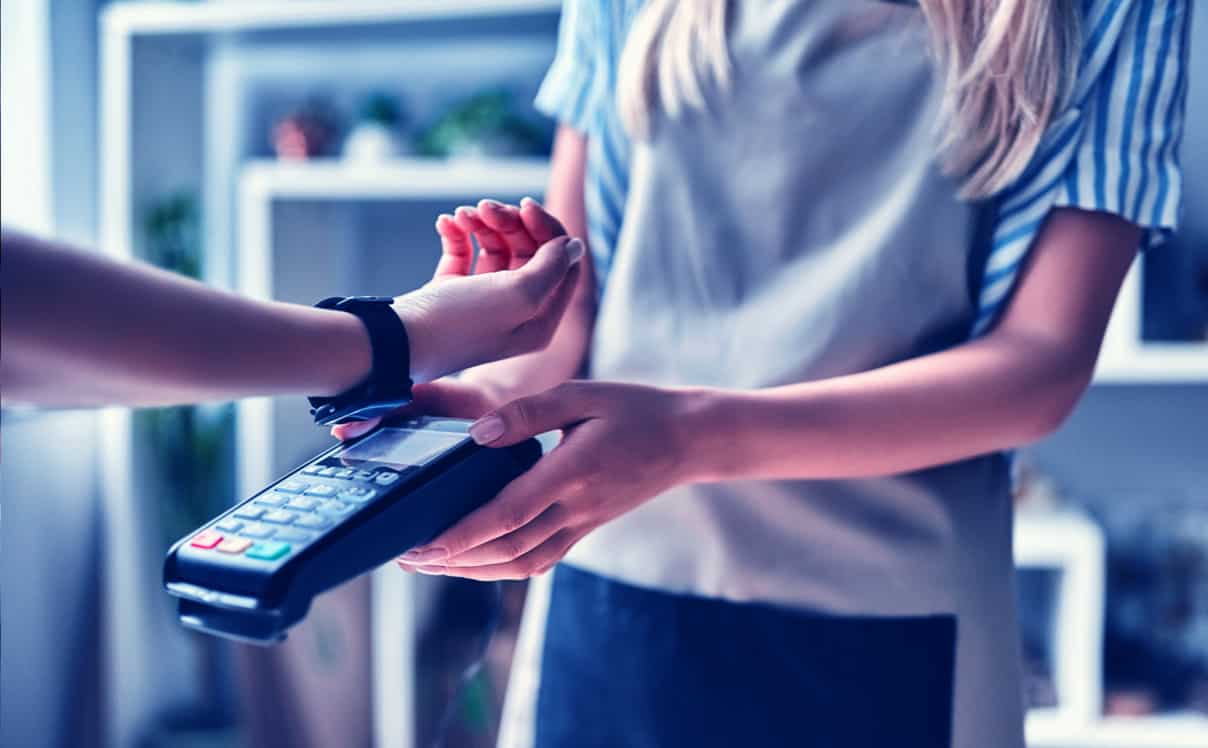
(294, 512)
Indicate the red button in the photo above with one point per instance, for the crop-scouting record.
(206, 539)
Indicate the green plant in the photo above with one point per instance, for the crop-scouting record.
(483, 117)
(187, 444)
(381, 109)
(170, 231)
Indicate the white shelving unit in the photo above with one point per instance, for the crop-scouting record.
(175, 90)
(168, 56)
(1073, 546)
(265, 185)
(1127, 359)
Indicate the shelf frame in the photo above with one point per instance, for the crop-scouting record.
(265, 183)
(149, 18)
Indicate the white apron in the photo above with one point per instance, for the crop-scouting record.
(798, 230)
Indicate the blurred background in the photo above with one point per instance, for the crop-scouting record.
(300, 148)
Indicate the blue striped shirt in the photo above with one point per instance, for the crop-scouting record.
(1113, 149)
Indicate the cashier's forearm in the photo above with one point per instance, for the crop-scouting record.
(988, 395)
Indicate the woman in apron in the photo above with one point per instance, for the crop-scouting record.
(781, 505)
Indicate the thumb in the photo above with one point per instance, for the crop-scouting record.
(549, 266)
(560, 407)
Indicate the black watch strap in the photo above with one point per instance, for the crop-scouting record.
(389, 380)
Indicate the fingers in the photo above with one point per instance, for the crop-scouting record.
(549, 266)
(452, 398)
(521, 501)
(540, 224)
(346, 431)
(565, 405)
(494, 253)
(457, 252)
(506, 221)
(536, 333)
(513, 545)
(537, 561)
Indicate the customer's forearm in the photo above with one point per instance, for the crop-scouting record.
(79, 330)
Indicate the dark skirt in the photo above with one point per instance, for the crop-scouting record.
(629, 666)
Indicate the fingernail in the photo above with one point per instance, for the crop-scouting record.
(493, 203)
(425, 555)
(486, 430)
(574, 248)
(527, 201)
(433, 570)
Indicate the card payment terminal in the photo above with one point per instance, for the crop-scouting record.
(250, 573)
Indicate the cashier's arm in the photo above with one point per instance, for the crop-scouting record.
(79, 330)
(624, 444)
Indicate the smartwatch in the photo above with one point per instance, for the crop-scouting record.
(388, 385)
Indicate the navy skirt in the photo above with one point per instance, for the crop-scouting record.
(628, 666)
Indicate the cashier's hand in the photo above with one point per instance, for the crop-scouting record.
(620, 447)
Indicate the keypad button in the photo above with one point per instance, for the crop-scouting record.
(321, 491)
(206, 539)
(305, 503)
(272, 499)
(313, 521)
(250, 512)
(386, 477)
(364, 475)
(344, 473)
(256, 530)
(334, 507)
(229, 525)
(312, 469)
(327, 472)
(234, 545)
(279, 517)
(293, 535)
(268, 551)
(357, 493)
(290, 486)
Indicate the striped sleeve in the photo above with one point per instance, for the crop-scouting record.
(1127, 160)
(1115, 149)
(570, 86)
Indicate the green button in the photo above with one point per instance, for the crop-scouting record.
(268, 550)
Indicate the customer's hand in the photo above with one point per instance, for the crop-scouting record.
(622, 445)
(509, 238)
(457, 321)
(508, 235)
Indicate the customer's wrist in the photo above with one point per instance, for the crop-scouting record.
(425, 365)
(347, 356)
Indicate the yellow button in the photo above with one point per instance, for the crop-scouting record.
(234, 545)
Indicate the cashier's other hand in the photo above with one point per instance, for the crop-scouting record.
(457, 321)
(622, 445)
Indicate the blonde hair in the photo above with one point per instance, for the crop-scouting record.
(1007, 67)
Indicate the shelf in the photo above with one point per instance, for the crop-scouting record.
(1164, 731)
(133, 18)
(1126, 359)
(1157, 363)
(408, 178)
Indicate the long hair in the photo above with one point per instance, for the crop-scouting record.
(1007, 67)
